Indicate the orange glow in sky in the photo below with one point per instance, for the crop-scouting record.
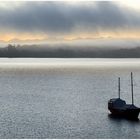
(75, 36)
(23, 37)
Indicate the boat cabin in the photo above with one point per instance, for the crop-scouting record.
(116, 103)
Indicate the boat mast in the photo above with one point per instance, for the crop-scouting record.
(132, 88)
(119, 87)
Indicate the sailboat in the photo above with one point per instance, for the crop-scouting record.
(118, 107)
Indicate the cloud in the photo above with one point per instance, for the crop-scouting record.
(64, 18)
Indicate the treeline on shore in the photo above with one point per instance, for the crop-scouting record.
(67, 52)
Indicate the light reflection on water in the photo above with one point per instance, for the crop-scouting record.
(65, 98)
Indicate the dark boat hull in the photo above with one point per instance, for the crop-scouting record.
(127, 113)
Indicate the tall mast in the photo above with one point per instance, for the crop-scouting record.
(132, 88)
(119, 87)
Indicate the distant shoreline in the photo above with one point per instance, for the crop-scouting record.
(35, 51)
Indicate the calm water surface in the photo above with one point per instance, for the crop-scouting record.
(65, 98)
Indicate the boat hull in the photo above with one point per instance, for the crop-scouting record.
(127, 113)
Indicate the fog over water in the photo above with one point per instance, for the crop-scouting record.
(130, 63)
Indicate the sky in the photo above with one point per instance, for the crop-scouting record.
(60, 21)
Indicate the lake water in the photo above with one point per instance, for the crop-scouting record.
(65, 98)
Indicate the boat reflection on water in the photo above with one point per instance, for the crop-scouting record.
(119, 108)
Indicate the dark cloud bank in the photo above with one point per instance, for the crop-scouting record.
(61, 17)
